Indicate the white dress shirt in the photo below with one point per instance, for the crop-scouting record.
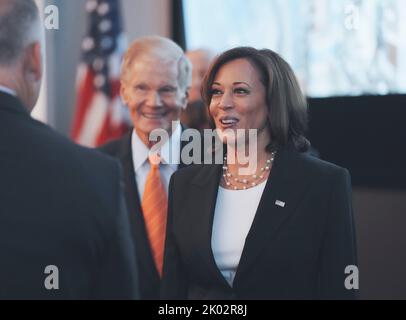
(235, 211)
(7, 90)
(170, 154)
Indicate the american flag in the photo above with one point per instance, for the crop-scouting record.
(100, 115)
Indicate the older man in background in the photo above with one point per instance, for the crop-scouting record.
(155, 78)
(63, 223)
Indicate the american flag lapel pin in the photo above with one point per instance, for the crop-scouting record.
(280, 203)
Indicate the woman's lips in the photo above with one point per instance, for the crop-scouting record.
(228, 122)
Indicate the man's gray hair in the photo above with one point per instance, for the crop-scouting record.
(16, 20)
(162, 48)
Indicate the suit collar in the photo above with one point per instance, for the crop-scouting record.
(206, 176)
(125, 152)
(124, 146)
(170, 151)
(11, 103)
(140, 149)
(182, 145)
(7, 90)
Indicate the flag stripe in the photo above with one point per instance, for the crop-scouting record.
(85, 97)
(103, 48)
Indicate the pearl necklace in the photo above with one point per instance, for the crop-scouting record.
(247, 183)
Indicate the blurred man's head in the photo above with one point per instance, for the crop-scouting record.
(200, 60)
(21, 44)
(155, 78)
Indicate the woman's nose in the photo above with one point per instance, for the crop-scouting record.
(226, 101)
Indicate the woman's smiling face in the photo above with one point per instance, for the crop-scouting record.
(238, 100)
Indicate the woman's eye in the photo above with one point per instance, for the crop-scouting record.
(241, 91)
(215, 92)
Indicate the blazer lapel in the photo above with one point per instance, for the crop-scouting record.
(287, 184)
(131, 190)
(205, 187)
(182, 145)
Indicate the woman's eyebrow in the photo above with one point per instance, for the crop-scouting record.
(241, 82)
(234, 83)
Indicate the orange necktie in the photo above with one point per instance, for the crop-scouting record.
(154, 207)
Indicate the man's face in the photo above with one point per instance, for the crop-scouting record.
(152, 93)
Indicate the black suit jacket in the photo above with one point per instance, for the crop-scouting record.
(61, 205)
(149, 277)
(296, 252)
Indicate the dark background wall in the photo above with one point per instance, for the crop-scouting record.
(367, 135)
(380, 216)
(364, 134)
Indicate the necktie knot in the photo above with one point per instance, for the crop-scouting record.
(154, 160)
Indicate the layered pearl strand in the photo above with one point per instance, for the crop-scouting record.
(231, 180)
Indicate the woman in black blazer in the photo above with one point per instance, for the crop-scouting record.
(286, 230)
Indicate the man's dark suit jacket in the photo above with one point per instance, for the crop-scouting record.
(60, 205)
(148, 274)
(299, 251)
